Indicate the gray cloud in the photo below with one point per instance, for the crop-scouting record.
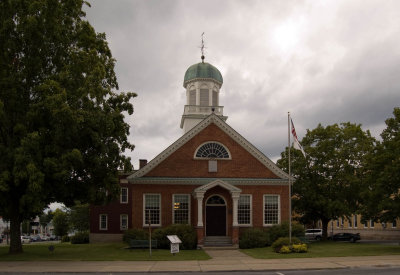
(324, 61)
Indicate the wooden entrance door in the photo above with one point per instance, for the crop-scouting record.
(215, 216)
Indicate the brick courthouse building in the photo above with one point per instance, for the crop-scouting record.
(211, 177)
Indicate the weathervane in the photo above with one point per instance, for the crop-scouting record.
(202, 47)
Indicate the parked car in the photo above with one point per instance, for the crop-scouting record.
(349, 237)
(313, 234)
(25, 239)
(45, 238)
(36, 238)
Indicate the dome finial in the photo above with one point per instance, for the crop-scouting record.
(202, 47)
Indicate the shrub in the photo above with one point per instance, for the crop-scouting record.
(80, 237)
(299, 248)
(277, 245)
(285, 250)
(253, 237)
(65, 239)
(185, 232)
(135, 234)
(282, 230)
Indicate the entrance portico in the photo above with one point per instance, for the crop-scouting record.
(217, 207)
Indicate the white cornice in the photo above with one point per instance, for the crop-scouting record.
(212, 118)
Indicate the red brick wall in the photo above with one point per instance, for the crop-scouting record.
(182, 163)
(167, 191)
(113, 211)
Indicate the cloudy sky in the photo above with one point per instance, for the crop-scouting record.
(324, 61)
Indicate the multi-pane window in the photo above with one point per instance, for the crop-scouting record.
(123, 221)
(152, 209)
(365, 224)
(192, 97)
(204, 97)
(212, 150)
(271, 209)
(350, 222)
(341, 222)
(244, 210)
(181, 208)
(355, 221)
(337, 223)
(371, 223)
(124, 195)
(103, 221)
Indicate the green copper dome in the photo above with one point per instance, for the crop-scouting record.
(203, 71)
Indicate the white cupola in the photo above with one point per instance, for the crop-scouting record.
(202, 83)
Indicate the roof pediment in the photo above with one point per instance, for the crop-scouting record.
(221, 124)
(204, 188)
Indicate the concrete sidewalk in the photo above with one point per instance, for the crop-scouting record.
(222, 260)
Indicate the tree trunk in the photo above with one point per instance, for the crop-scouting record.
(325, 223)
(15, 234)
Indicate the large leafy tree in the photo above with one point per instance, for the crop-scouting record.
(381, 196)
(79, 217)
(62, 129)
(61, 222)
(329, 178)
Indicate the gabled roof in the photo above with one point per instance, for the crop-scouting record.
(211, 119)
(218, 182)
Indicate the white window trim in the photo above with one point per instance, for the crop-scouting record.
(144, 212)
(189, 209)
(279, 209)
(213, 141)
(127, 195)
(100, 228)
(251, 212)
(350, 222)
(120, 221)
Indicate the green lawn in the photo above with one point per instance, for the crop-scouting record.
(97, 252)
(328, 249)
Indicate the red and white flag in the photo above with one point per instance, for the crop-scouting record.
(296, 143)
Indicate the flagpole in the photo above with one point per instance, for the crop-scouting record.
(290, 185)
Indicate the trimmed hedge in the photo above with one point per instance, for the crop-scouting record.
(185, 232)
(253, 237)
(80, 237)
(135, 234)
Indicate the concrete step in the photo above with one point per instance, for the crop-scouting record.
(217, 241)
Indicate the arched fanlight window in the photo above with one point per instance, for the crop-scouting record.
(212, 150)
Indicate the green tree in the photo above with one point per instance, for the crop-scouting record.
(79, 217)
(329, 180)
(45, 218)
(60, 223)
(62, 129)
(381, 196)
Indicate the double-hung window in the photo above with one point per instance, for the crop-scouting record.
(152, 209)
(181, 208)
(244, 210)
(123, 218)
(124, 195)
(103, 222)
(271, 209)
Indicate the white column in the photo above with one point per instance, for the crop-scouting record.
(199, 197)
(235, 200)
